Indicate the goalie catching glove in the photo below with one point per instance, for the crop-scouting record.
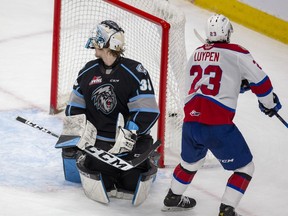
(271, 112)
(125, 141)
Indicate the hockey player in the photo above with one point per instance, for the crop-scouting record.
(107, 87)
(215, 73)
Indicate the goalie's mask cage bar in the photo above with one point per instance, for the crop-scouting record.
(156, 22)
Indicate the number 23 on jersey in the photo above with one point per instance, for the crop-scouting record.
(208, 79)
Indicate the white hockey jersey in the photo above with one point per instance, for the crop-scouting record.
(214, 75)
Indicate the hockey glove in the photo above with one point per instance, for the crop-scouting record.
(88, 137)
(77, 131)
(274, 110)
(244, 86)
(125, 141)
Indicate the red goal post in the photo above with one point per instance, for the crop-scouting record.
(154, 32)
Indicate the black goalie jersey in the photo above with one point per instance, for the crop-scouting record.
(102, 93)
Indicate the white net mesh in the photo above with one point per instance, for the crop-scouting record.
(143, 43)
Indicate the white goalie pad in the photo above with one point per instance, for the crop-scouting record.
(77, 131)
(142, 192)
(92, 183)
(94, 188)
(144, 185)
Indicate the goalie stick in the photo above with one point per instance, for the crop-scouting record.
(100, 154)
(31, 124)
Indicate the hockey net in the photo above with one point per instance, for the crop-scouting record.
(154, 36)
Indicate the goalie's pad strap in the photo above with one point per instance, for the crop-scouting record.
(120, 194)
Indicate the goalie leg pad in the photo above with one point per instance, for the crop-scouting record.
(69, 165)
(92, 183)
(144, 184)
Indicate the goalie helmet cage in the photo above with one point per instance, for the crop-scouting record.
(154, 36)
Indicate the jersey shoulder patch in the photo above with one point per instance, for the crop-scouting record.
(134, 66)
(140, 68)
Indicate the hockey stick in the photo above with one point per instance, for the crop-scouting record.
(281, 119)
(199, 36)
(100, 154)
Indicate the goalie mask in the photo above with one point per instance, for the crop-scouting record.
(218, 29)
(106, 35)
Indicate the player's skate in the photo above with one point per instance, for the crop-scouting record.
(173, 202)
(226, 210)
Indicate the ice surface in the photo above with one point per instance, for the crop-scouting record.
(31, 176)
